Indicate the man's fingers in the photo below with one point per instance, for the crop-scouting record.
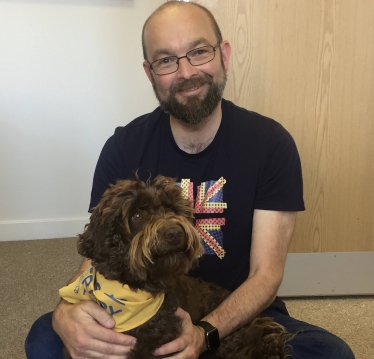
(98, 313)
(178, 344)
(185, 345)
(180, 313)
(83, 331)
(175, 346)
(96, 348)
(105, 350)
(96, 355)
(111, 337)
(103, 332)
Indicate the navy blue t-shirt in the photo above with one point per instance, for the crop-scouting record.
(252, 163)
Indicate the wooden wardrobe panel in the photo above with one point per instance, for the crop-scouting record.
(310, 66)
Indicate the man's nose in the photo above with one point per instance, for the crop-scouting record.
(186, 70)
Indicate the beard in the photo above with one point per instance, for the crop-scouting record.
(195, 110)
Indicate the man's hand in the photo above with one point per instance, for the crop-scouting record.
(189, 345)
(86, 330)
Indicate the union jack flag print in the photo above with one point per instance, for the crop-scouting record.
(209, 199)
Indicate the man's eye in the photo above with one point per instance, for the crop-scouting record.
(201, 52)
(137, 216)
(166, 60)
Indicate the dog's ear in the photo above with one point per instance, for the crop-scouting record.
(109, 228)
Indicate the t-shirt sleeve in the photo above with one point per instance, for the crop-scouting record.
(280, 183)
(109, 169)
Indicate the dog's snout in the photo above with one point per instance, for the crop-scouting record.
(173, 235)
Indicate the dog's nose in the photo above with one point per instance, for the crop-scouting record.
(173, 235)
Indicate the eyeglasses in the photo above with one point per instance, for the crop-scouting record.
(196, 57)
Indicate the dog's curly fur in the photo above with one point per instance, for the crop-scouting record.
(142, 234)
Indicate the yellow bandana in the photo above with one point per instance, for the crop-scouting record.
(129, 309)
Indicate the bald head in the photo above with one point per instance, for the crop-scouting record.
(170, 9)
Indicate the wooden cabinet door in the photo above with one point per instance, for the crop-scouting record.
(310, 66)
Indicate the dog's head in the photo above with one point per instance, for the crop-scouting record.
(142, 234)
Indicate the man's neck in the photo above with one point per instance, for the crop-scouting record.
(195, 138)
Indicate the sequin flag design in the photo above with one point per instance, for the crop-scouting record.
(209, 199)
(187, 188)
(211, 233)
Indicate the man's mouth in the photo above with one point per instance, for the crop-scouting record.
(191, 89)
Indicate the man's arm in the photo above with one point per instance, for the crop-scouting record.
(271, 235)
(85, 328)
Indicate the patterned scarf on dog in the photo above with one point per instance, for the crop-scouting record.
(129, 309)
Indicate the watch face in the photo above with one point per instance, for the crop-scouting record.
(213, 340)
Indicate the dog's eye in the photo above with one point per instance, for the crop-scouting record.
(137, 216)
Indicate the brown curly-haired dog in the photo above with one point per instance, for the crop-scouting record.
(142, 234)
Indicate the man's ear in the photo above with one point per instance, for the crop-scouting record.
(147, 69)
(226, 53)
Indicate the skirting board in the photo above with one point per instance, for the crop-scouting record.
(41, 229)
(328, 274)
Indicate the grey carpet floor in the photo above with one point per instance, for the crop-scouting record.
(31, 272)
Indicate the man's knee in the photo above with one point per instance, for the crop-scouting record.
(42, 341)
(340, 349)
(320, 344)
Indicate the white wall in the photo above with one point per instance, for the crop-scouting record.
(70, 72)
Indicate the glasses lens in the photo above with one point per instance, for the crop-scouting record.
(201, 55)
(166, 65)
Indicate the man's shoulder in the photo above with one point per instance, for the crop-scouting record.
(244, 121)
(141, 124)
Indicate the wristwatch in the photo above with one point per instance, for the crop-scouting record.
(211, 336)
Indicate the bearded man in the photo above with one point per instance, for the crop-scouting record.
(241, 169)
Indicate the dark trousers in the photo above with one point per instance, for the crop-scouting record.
(311, 342)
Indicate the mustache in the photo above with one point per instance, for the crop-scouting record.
(191, 83)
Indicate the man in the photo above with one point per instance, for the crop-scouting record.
(243, 172)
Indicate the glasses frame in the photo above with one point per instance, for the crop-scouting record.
(185, 56)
